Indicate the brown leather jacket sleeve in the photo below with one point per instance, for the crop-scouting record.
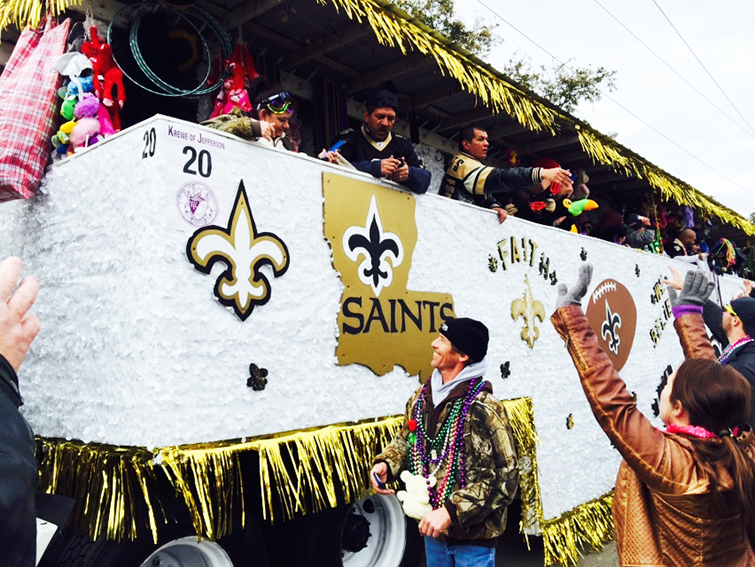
(694, 337)
(645, 448)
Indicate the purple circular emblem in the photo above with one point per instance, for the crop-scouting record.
(197, 203)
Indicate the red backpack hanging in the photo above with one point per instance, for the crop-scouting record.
(28, 109)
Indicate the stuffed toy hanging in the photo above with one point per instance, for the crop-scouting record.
(107, 76)
(241, 70)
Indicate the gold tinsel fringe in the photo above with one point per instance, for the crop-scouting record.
(336, 458)
(394, 31)
(667, 187)
(29, 13)
(112, 486)
(116, 487)
(522, 418)
(563, 537)
(300, 472)
(588, 524)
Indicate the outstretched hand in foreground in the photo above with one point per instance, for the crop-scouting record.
(18, 327)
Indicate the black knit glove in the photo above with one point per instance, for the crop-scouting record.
(695, 291)
(574, 295)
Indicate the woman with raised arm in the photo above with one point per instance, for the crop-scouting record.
(684, 496)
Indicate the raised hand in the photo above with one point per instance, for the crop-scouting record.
(18, 327)
(695, 291)
(574, 295)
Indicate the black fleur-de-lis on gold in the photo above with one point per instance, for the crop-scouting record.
(506, 369)
(570, 421)
(242, 285)
(257, 378)
(637, 270)
(583, 255)
(377, 247)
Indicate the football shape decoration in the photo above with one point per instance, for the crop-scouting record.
(612, 314)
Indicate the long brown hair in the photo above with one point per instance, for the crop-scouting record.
(717, 398)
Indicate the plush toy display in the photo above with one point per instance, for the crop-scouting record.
(108, 78)
(241, 71)
(90, 107)
(76, 67)
(84, 134)
(416, 498)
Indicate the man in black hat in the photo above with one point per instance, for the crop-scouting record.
(457, 442)
(375, 149)
(733, 326)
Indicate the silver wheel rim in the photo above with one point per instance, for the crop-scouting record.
(189, 552)
(385, 546)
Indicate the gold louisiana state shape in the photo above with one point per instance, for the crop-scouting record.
(381, 324)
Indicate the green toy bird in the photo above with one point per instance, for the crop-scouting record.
(576, 208)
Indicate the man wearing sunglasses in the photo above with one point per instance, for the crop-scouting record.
(376, 150)
(733, 326)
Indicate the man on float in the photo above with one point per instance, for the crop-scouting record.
(457, 441)
(376, 150)
(468, 179)
(733, 326)
(683, 244)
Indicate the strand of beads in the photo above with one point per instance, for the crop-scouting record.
(456, 464)
(731, 348)
(460, 438)
(450, 439)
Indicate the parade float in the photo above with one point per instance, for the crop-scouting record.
(230, 333)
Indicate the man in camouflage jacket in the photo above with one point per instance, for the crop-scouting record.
(468, 518)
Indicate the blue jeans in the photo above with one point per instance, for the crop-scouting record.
(441, 554)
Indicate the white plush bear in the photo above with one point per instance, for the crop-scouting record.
(416, 498)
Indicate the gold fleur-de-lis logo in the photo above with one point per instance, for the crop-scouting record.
(242, 286)
(530, 309)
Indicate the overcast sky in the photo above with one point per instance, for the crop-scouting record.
(719, 33)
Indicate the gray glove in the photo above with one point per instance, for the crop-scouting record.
(695, 291)
(574, 295)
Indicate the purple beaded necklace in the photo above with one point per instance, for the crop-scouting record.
(449, 440)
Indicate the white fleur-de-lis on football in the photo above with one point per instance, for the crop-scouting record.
(377, 247)
(241, 286)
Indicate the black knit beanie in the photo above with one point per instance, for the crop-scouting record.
(468, 336)
(744, 307)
